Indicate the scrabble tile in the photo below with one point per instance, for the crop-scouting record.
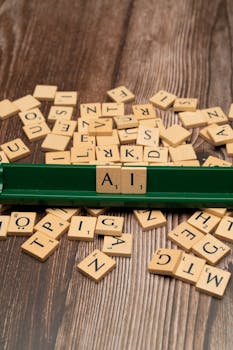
(136, 163)
(100, 127)
(45, 92)
(36, 132)
(230, 114)
(161, 164)
(185, 235)
(33, 116)
(15, 149)
(216, 211)
(96, 211)
(185, 104)
(126, 121)
(4, 222)
(225, 229)
(27, 102)
(121, 94)
(60, 112)
(82, 228)
(189, 268)
(113, 109)
(90, 110)
(108, 179)
(211, 249)
(156, 154)
(165, 261)
(79, 139)
(163, 99)
(52, 226)
(229, 149)
(182, 152)
(213, 281)
(149, 219)
(3, 158)
(118, 246)
(221, 134)
(7, 109)
(128, 135)
(175, 135)
(108, 153)
(131, 154)
(205, 222)
(83, 125)
(83, 153)
(214, 161)
(204, 133)
(63, 213)
(40, 246)
(64, 127)
(96, 265)
(54, 142)
(215, 115)
(134, 180)
(187, 163)
(108, 140)
(192, 119)
(153, 123)
(147, 136)
(60, 157)
(66, 98)
(109, 225)
(145, 111)
(21, 223)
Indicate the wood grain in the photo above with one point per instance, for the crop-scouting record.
(182, 46)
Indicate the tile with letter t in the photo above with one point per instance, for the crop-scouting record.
(21, 223)
(203, 221)
(149, 219)
(165, 261)
(96, 265)
(111, 109)
(109, 225)
(185, 235)
(52, 226)
(225, 229)
(121, 94)
(133, 180)
(82, 228)
(15, 149)
(118, 246)
(189, 268)
(108, 179)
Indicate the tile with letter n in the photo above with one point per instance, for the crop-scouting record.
(4, 222)
(189, 268)
(108, 179)
(36, 132)
(163, 99)
(214, 161)
(90, 110)
(165, 261)
(118, 246)
(60, 112)
(45, 92)
(213, 281)
(149, 219)
(66, 98)
(82, 228)
(52, 226)
(205, 222)
(121, 94)
(96, 265)
(33, 116)
(185, 235)
(225, 229)
(15, 149)
(40, 246)
(109, 225)
(21, 223)
(215, 115)
(134, 180)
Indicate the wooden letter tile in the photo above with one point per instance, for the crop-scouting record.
(229, 149)
(165, 261)
(64, 127)
(34, 116)
(108, 179)
(66, 98)
(57, 112)
(3, 158)
(82, 228)
(204, 133)
(60, 157)
(149, 219)
(126, 121)
(131, 154)
(128, 135)
(163, 99)
(147, 136)
(112, 109)
(193, 119)
(153, 123)
(54, 142)
(108, 153)
(21, 223)
(121, 94)
(82, 154)
(156, 154)
(230, 115)
(45, 92)
(215, 115)
(214, 161)
(225, 229)
(108, 140)
(100, 127)
(133, 180)
(144, 112)
(7, 109)
(185, 236)
(118, 246)
(189, 269)
(185, 104)
(205, 222)
(79, 139)
(27, 102)
(90, 110)
(109, 225)
(36, 132)
(182, 152)
(220, 135)
(175, 135)
(63, 213)
(15, 149)
(52, 226)
(4, 222)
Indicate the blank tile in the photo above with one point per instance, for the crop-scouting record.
(189, 268)
(118, 246)
(193, 119)
(4, 222)
(60, 112)
(34, 116)
(82, 228)
(27, 102)
(133, 180)
(214, 161)
(205, 222)
(165, 261)
(66, 98)
(7, 109)
(109, 225)
(54, 142)
(229, 149)
(96, 211)
(52, 226)
(121, 94)
(175, 135)
(108, 140)
(194, 162)
(21, 223)
(35, 132)
(182, 152)
(185, 235)
(150, 219)
(45, 92)
(163, 99)
(216, 211)
(15, 149)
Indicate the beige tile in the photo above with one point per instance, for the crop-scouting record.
(163, 99)
(229, 149)
(96, 211)
(182, 152)
(113, 109)
(221, 134)
(21, 223)
(45, 92)
(100, 127)
(128, 135)
(3, 157)
(33, 116)
(7, 109)
(35, 132)
(64, 127)
(175, 135)
(185, 104)
(165, 261)
(4, 223)
(52, 226)
(147, 136)
(88, 110)
(126, 121)
(54, 142)
(205, 222)
(192, 119)
(153, 123)
(215, 115)
(108, 140)
(131, 154)
(108, 153)
(63, 213)
(187, 163)
(214, 161)
(216, 211)
(60, 112)
(224, 230)
(144, 111)
(118, 246)
(134, 180)
(15, 149)
(108, 179)
(121, 94)
(27, 102)
(82, 228)
(66, 98)
(79, 139)
(60, 157)
(204, 133)
(109, 225)
(83, 154)
(150, 219)
(156, 154)
(189, 268)
(185, 235)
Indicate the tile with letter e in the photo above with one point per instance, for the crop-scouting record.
(121, 94)
(165, 261)
(182, 152)
(59, 157)
(82, 228)
(79, 139)
(7, 109)
(108, 179)
(147, 136)
(185, 235)
(211, 249)
(133, 180)
(33, 116)
(149, 219)
(54, 142)
(66, 98)
(60, 112)
(175, 135)
(185, 104)
(156, 154)
(213, 281)
(63, 213)
(205, 222)
(109, 225)
(131, 154)
(189, 268)
(52, 226)
(15, 149)
(4, 222)
(118, 246)
(40, 246)
(215, 115)
(225, 229)
(163, 99)
(144, 112)
(36, 132)
(3, 158)
(64, 127)
(112, 109)
(21, 223)
(45, 92)
(27, 102)
(96, 265)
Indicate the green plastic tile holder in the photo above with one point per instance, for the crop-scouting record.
(75, 185)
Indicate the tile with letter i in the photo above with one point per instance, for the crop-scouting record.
(185, 104)
(131, 154)
(118, 246)
(143, 112)
(45, 92)
(165, 261)
(147, 136)
(189, 268)
(64, 127)
(63, 213)
(66, 98)
(109, 225)
(54, 142)
(215, 115)
(185, 235)
(27, 102)
(213, 281)
(125, 121)
(82, 154)
(4, 222)
(21, 223)
(205, 222)
(3, 158)
(36, 132)
(90, 110)
(175, 135)
(96, 265)
(60, 112)
(33, 116)
(133, 180)
(108, 179)
(40, 246)
(113, 109)
(15, 149)
(60, 157)
(121, 94)
(210, 249)
(100, 127)
(155, 154)
(82, 228)
(7, 109)
(149, 219)
(163, 99)
(52, 226)
(225, 229)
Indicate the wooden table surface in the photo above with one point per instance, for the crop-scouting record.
(184, 47)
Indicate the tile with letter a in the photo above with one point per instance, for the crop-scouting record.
(113, 109)
(185, 104)
(147, 136)
(149, 219)
(27, 102)
(82, 228)
(163, 99)
(88, 110)
(134, 180)
(60, 157)
(211, 249)
(175, 135)
(225, 229)
(108, 179)
(96, 265)
(54, 142)
(40, 246)
(15, 149)
(45, 92)
(213, 281)
(4, 222)
(118, 246)
(7, 109)
(121, 94)
(63, 213)
(144, 112)
(189, 268)
(205, 222)
(3, 158)
(60, 112)
(221, 134)
(66, 98)
(36, 132)
(52, 226)
(64, 127)
(215, 115)
(34, 116)
(165, 261)
(21, 223)
(185, 235)
(109, 225)
(156, 154)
